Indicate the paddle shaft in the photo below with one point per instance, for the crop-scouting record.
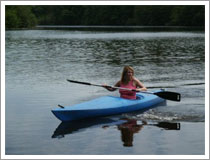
(98, 85)
(165, 95)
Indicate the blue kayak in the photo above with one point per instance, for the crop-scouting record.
(107, 105)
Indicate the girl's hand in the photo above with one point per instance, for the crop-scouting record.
(141, 89)
(109, 88)
(138, 89)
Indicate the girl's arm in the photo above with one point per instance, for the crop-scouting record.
(139, 85)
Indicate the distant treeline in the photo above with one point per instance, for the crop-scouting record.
(141, 15)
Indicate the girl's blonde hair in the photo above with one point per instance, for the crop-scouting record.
(124, 77)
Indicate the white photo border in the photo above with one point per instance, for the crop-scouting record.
(4, 3)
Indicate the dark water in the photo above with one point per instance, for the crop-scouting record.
(38, 62)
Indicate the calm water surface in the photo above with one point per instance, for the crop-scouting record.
(38, 62)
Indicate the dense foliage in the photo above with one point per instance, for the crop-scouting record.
(20, 17)
(30, 16)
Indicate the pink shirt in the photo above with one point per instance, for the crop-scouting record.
(127, 94)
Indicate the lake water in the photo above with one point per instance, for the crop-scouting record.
(38, 62)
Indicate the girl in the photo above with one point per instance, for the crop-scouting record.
(128, 81)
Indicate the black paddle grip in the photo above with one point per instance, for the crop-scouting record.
(79, 82)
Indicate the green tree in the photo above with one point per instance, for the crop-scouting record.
(19, 17)
(188, 16)
(160, 15)
(11, 19)
(152, 15)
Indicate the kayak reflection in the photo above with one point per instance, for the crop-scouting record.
(77, 126)
(128, 127)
